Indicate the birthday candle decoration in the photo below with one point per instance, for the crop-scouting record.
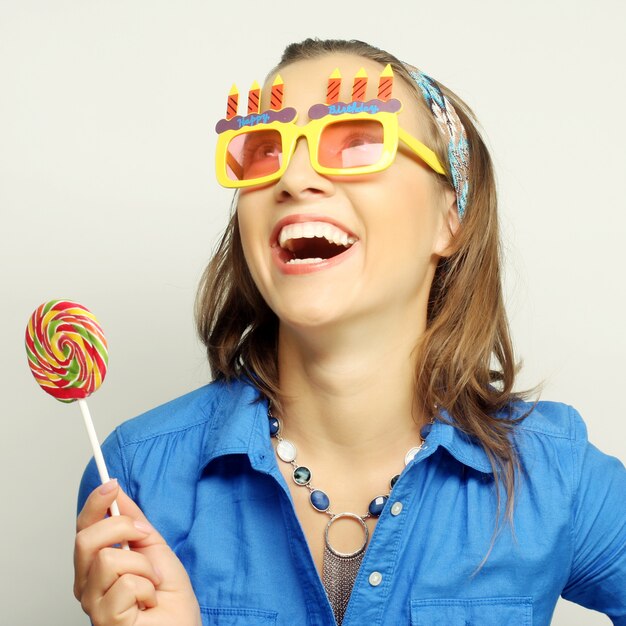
(254, 98)
(276, 95)
(334, 86)
(233, 101)
(385, 83)
(359, 86)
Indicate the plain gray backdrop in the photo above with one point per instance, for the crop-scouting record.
(107, 196)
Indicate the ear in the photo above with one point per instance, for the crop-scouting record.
(449, 224)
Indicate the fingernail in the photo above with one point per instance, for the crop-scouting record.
(108, 487)
(142, 526)
(157, 571)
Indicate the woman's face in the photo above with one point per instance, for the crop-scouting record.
(397, 219)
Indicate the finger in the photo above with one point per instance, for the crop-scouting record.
(121, 603)
(97, 504)
(109, 565)
(100, 500)
(103, 534)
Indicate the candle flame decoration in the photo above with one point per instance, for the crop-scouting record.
(359, 86)
(254, 98)
(233, 101)
(334, 86)
(276, 95)
(385, 83)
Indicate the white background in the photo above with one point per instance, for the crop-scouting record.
(107, 197)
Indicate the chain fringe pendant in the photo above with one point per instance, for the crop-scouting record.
(340, 569)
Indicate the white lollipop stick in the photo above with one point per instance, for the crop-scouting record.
(97, 455)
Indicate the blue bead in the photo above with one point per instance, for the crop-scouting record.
(426, 430)
(394, 480)
(319, 500)
(274, 426)
(377, 505)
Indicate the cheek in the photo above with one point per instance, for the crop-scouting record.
(405, 219)
(255, 245)
(250, 221)
(244, 232)
(249, 232)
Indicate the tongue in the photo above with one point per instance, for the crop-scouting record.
(317, 247)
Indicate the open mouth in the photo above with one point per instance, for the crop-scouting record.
(312, 242)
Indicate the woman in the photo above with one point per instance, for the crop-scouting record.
(353, 319)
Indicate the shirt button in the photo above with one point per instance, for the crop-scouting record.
(396, 509)
(375, 579)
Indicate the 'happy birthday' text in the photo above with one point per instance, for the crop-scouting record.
(253, 120)
(353, 107)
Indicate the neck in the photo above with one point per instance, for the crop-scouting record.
(344, 398)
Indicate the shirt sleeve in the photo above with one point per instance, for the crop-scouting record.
(597, 578)
(114, 460)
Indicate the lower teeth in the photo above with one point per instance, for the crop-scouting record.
(301, 261)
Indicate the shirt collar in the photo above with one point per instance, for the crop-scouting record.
(240, 426)
(460, 445)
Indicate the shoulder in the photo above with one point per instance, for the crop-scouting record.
(164, 449)
(547, 431)
(159, 455)
(552, 420)
(192, 411)
(552, 442)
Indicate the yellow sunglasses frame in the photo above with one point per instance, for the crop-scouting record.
(312, 130)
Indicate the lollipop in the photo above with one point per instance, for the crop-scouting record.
(67, 354)
(67, 350)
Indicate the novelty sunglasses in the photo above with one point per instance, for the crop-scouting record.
(344, 139)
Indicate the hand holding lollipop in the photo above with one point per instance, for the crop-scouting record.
(67, 354)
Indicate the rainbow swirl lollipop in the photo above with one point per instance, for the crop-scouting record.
(67, 354)
(67, 350)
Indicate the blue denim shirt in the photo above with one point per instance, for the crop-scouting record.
(203, 470)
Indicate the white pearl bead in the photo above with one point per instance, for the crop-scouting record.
(286, 450)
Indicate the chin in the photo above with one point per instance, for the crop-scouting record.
(312, 317)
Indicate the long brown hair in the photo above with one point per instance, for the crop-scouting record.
(465, 356)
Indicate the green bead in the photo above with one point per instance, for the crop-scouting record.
(302, 475)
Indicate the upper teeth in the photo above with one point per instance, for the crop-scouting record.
(308, 230)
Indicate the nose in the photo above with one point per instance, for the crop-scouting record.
(300, 181)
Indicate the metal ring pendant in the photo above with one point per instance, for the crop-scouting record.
(353, 516)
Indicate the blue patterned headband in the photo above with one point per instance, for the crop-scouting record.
(452, 129)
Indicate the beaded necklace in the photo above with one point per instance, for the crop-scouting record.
(339, 568)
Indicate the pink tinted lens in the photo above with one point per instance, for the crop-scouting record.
(254, 154)
(351, 143)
